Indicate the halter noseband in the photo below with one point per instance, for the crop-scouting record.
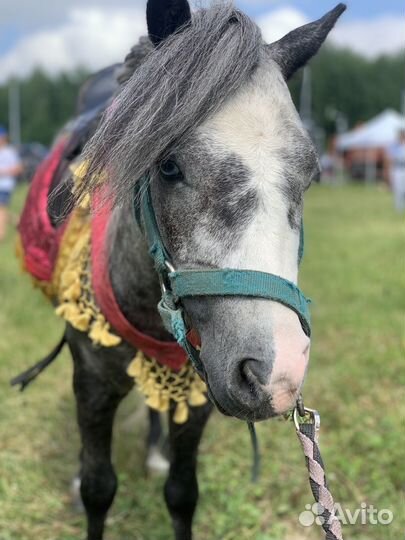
(179, 284)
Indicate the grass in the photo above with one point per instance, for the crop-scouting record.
(354, 271)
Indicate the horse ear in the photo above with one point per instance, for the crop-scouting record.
(295, 49)
(165, 17)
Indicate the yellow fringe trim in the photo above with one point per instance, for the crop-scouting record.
(73, 276)
(79, 170)
(160, 385)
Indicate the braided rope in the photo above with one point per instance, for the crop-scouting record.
(308, 436)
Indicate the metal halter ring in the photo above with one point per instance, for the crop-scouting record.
(312, 413)
(169, 266)
(300, 405)
(163, 285)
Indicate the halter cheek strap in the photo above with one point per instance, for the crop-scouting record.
(179, 284)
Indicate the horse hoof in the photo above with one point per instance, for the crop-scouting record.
(75, 495)
(156, 463)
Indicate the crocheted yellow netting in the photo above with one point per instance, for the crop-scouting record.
(72, 290)
(161, 385)
(72, 280)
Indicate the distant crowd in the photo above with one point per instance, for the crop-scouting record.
(392, 170)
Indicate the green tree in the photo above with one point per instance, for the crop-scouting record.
(357, 87)
(341, 80)
(46, 103)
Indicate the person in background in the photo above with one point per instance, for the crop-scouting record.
(328, 172)
(10, 167)
(397, 171)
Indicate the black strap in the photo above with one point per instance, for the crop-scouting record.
(26, 377)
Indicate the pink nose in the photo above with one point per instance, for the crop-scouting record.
(287, 378)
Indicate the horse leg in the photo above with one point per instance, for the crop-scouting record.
(181, 488)
(99, 390)
(155, 461)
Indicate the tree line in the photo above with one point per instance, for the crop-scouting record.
(341, 81)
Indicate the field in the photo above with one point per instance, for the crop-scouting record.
(355, 273)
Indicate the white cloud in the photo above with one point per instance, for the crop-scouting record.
(277, 23)
(97, 36)
(372, 37)
(369, 37)
(31, 14)
(91, 37)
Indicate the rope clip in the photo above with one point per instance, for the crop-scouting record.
(300, 405)
(310, 416)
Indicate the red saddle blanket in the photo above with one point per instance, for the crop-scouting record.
(39, 238)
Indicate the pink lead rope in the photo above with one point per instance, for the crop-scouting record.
(307, 427)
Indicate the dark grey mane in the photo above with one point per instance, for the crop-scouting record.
(180, 84)
(134, 59)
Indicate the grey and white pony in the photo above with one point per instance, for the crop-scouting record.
(208, 114)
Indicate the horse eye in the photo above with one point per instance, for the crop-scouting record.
(169, 170)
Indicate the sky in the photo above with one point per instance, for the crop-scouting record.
(60, 35)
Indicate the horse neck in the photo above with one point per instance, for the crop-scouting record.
(133, 278)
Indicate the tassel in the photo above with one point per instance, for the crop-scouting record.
(135, 367)
(153, 401)
(149, 387)
(164, 403)
(95, 333)
(108, 339)
(73, 292)
(79, 171)
(144, 376)
(85, 203)
(100, 335)
(68, 311)
(196, 398)
(81, 322)
(181, 413)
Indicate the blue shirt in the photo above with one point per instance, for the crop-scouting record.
(8, 160)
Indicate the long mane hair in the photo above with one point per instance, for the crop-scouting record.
(176, 88)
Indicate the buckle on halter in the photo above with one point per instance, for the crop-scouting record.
(169, 266)
(164, 283)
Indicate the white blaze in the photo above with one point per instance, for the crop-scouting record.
(256, 126)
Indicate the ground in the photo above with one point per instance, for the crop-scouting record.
(354, 272)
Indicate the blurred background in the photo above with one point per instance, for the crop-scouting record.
(46, 54)
(352, 100)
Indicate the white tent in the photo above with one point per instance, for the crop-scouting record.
(380, 132)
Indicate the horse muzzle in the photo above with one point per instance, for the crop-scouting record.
(253, 365)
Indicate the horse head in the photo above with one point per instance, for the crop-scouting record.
(209, 117)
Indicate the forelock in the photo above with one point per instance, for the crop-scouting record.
(177, 87)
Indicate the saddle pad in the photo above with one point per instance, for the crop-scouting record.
(40, 240)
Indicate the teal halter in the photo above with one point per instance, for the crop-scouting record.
(179, 284)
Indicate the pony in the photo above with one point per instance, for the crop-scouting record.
(201, 110)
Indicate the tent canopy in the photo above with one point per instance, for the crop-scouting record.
(380, 132)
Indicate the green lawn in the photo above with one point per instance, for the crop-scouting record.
(354, 272)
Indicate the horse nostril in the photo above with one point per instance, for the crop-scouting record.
(254, 372)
